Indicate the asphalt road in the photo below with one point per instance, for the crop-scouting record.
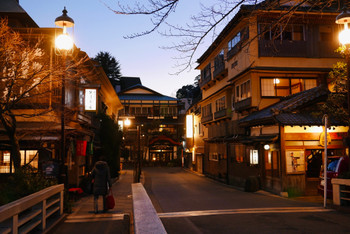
(188, 203)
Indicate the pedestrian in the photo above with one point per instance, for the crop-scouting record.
(101, 181)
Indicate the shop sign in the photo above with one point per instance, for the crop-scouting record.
(322, 137)
(295, 161)
(81, 148)
(90, 99)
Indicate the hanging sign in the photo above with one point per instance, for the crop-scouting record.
(81, 148)
(90, 99)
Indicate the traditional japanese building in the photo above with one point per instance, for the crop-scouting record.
(260, 59)
(154, 118)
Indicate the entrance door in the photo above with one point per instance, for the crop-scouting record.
(314, 163)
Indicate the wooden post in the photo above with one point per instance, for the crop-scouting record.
(43, 215)
(15, 224)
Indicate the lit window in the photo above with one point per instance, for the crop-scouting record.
(220, 104)
(280, 87)
(243, 91)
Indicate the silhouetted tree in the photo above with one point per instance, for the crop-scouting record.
(206, 23)
(110, 66)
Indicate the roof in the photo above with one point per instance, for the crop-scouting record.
(11, 6)
(140, 92)
(289, 110)
(15, 14)
(268, 5)
(146, 97)
(127, 82)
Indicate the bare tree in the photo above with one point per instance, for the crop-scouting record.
(208, 22)
(28, 77)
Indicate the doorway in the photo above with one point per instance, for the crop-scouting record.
(314, 163)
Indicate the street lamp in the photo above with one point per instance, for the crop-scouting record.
(137, 170)
(63, 44)
(344, 39)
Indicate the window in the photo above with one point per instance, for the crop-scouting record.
(291, 32)
(213, 156)
(280, 87)
(235, 43)
(240, 153)
(27, 157)
(326, 33)
(206, 110)
(206, 73)
(220, 104)
(272, 163)
(219, 61)
(243, 91)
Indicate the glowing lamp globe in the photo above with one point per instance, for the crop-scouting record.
(64, 42)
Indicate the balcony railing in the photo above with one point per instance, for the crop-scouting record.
(244, 104)
(220, 114)
(219, 70)
(204, 80)
(207, 118)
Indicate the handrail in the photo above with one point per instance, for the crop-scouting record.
(146, 219)
(25, 214)
(337, 191)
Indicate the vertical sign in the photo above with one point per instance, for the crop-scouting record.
(189, 126)
(90, 99)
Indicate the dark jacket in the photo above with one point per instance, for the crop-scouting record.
(101, 175)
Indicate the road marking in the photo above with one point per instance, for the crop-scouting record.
(243, 211)
(93, 218)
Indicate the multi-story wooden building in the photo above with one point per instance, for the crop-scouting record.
(257, 60)
(40, 137)
(154, 117)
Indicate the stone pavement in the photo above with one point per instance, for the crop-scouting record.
(118, 220)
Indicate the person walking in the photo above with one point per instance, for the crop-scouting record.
(102, 182)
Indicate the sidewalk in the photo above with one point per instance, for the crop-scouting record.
(118, 220)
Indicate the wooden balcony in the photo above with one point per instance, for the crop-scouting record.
(204, 81)
(243, 105)
(206, 119)
(221, 114)
(220, 72)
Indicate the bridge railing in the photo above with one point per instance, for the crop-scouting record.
(146, 219)
(38, 211)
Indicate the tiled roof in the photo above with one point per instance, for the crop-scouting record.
(282, 111)
(146, 97)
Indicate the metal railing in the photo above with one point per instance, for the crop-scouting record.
(38, 211)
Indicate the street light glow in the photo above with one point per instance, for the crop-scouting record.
(127, 122)
(64, 42)
(344, 35)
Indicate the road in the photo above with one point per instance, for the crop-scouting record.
(189, 203)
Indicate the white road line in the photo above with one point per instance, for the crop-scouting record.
(243, 211)
(93, 218)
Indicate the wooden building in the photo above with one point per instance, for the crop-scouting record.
(258, 60)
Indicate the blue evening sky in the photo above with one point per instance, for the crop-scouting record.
(99, 29)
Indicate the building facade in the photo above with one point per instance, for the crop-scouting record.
(155, 129)
(258, 60)
(87, 92)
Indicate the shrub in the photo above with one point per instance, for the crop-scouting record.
(23, 183)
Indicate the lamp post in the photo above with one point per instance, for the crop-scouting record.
(137, 168)
(63, 44)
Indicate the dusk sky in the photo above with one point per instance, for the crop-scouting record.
(99, 29)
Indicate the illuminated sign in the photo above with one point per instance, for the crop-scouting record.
(189, 126)
(90, 99)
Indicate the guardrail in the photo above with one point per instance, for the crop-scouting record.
(146, 219)
(39, 210)
(341, 191)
